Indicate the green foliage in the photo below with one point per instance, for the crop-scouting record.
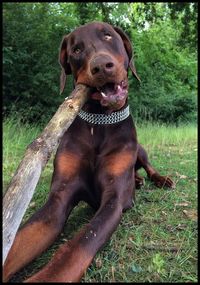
(157, 264)
(164, 41)
(187, 14)
(31, 69)
(168, 73)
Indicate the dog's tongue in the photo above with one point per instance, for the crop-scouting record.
(111, 95)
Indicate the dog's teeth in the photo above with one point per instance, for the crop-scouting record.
(118, 87)
(103, 94)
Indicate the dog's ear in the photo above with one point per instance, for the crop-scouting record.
(129, 50)
(63, 60)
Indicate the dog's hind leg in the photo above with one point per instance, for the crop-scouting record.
(152, 173)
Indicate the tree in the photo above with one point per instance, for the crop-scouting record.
(186, 12)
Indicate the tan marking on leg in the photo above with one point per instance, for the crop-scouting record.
(30, 241)
(68, 164)
(116, 164)
(68, 264)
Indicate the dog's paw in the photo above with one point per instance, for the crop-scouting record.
(162, 181)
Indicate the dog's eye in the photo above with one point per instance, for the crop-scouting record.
(107, 37)
(77, 50)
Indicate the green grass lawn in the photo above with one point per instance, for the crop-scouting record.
(156, 240)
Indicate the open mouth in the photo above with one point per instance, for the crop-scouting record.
(111, 94)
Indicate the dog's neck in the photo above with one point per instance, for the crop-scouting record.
(94, 106)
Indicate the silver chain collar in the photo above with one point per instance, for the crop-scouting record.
(102, 119)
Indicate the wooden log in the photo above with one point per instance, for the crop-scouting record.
(23, 183)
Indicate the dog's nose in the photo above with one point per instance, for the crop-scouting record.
(102, 64)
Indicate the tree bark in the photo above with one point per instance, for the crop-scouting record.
(23, 183)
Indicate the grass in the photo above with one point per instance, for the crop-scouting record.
(156, 240)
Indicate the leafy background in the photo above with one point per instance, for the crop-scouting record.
(164, 37)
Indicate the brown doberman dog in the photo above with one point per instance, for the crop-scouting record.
(96, 162)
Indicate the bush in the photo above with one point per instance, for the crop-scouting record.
(168, 73)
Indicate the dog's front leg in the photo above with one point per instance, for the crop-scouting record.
(43, 227)
(73, 258)
(114, 187)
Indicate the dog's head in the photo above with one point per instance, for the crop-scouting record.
(99, 55)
